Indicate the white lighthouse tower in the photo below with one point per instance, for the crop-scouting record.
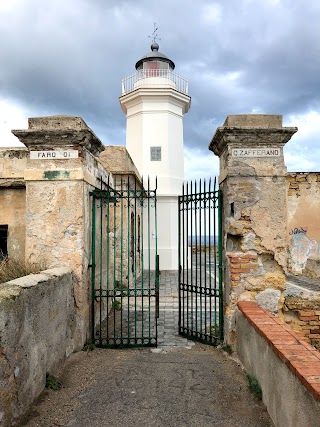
(154, 100)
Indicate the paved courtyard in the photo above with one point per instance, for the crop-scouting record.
(200, 312)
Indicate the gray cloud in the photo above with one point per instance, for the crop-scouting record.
(240, 56)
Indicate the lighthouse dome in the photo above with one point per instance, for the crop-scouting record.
(155, 60)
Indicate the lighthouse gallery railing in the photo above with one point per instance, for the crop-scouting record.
(154, 78)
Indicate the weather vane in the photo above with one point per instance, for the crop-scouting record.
(154, 35)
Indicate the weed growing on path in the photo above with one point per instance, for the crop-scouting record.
(53, 383)
(254, 387)
(227, 348)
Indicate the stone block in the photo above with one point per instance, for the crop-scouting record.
(275, 281)
(254, 121)
(57, 123)
(269, 299)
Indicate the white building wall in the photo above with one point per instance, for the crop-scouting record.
(155, 119)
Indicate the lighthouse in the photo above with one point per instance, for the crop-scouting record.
(155, 100)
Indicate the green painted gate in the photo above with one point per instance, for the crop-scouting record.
(125, 265)
(200, 262)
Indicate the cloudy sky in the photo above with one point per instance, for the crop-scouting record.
(240, 56)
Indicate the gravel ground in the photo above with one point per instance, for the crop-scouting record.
(199, 387)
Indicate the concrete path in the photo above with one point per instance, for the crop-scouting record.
(178, 384)
(198, 387)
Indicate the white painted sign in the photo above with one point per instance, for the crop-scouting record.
(256, 152)
(54, 154)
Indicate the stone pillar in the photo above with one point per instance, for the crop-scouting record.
(60, 172)
(252, 180)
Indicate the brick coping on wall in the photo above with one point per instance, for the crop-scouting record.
(300, 357)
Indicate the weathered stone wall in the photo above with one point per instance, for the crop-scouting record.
(58, 208)
(303, 228)
(12, 164)
(302, 313)
(117, 160)
(37, 325)
(253, 182)
(13, 198)
(12, 214)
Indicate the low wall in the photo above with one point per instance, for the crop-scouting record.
(287, 369)
(36, 335)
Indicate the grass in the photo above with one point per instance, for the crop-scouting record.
(53, 383)
(227, 348)
(254, 387)
(11, 269)
(89, 346)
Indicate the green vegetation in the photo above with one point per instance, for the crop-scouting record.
(116, 305)
(121, 288)
(227, 348)
(11, 269)
(89, 346)
(53, 383)
(254, 387)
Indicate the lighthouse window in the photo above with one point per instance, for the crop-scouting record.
(151, 65)
(155, 65)
(155, 154)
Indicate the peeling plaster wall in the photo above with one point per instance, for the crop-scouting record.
(37, 324)
(13, 162)
(253, 183)
(12, 213)
(303, 230)
(13, 198)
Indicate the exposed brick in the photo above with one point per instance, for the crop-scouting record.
(252, 256)
(249, 266)
(239, 270)
(306, 313)
(309, 319)
(237, 260)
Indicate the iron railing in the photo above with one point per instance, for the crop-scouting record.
(125, 265)
(154, 79)
(200, 262)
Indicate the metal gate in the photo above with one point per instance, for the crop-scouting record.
(125, 265)
(200, 262)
